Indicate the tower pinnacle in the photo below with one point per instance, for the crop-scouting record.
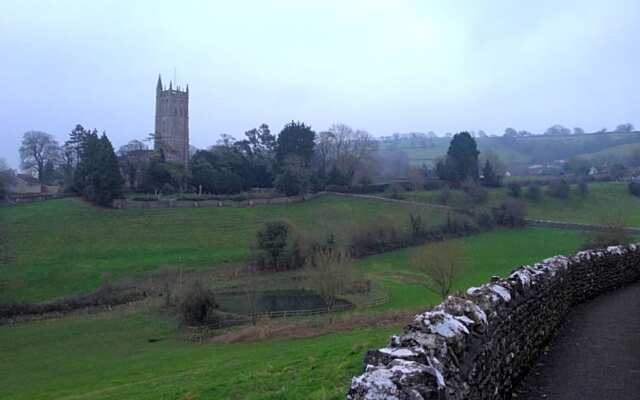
(159, 86)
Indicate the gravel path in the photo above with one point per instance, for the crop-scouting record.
(595, 355)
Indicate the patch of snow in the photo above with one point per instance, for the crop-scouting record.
(615, 250)
(377, 384)
(465, 320)
(502, 292)
(398, 352)
(473, 290)
(523, 275)
(444, 324)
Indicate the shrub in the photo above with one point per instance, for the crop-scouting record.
(376, 237)
(418, 228)
(510, 213)
(514, 189)
(445, 195)
(459, 225)
(559, 188)
(396, 191)
(433, 184)
(167, 189)
(105, 295)
(272, 241)
(534, 193)
(197, 306)
(279, 248)
(441, 265)
(485, 220)
(583, 188)
(613, 233)
(634, 188)
(475, 193)
(330, 272)
(294, 178)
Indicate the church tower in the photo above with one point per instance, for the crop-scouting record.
(172, 123)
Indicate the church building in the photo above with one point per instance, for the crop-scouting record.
(171, 134)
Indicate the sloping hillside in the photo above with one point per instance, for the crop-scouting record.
(526, 150)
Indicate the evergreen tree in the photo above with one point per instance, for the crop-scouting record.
(108, 180)
(490, 177)
(295, 139)
(461, 163)
(97, 174)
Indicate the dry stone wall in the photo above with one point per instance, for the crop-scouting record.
(477, 345)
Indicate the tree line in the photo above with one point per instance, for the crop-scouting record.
(295, 161)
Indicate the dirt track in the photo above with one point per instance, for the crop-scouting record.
(595, 355)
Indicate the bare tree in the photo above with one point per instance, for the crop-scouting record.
(251, 289)
(417, 178)
(38, 149)
(323, 151)
(329, 273)
(134, 157)
(350, 148)
(441, 264)
(7, 177)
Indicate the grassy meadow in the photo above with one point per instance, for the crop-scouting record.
(604, 201)
(67, 246)
(110, 356)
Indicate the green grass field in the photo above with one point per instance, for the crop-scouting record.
(609, 146)
(109, 356)
(604, 201)
(439, 146)
(614, 153)
(66, 246)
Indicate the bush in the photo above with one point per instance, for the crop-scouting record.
(583, 188)
(278, 248)
(168, 189)
(485, 221)
(475, 193)
(510, 213)
(514, 189)
(433, 184)
(197, 306)
(612, 234)
(634, 188)
(460, 225)
(559, 188)
(445, 195)
(377, 237)
(271, 241)
(105, 296)
(418, 229)
(294, 178)
(396, 191)
(534, 193)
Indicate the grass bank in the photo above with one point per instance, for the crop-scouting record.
(66, 246)
(604, 201)
(110, 356)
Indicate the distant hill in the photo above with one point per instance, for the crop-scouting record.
(523, 151)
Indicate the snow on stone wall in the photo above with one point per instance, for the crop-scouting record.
(477, 345)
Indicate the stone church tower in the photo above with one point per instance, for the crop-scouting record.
(172, 123)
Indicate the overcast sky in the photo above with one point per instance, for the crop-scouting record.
(383, 66)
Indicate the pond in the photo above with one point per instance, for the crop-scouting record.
(273, 300)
